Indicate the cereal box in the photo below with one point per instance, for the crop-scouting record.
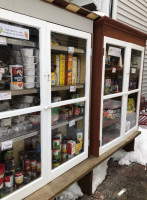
(74, 72)
(62, 69)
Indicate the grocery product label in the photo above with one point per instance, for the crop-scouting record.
(6, 145)
(9, 181)
(19, 179)
(5, 96)
(14, 31)
(72, 88)
(3, 41)
(71, 123)
(70, 50)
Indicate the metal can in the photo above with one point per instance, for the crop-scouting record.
(9, 179)
(64, 147)
(59, 135)
(8, 154)
(70, 112)
(76, 110)
(64, 113)
(33, 164)
(57, 154)
(56, 143)
(55, 163)
(77, 147)
(33, 174)
(64, 156)
(27, 165)
(19, 176)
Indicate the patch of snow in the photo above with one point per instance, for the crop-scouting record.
(72, 193)
(99, 174)
(139, 155)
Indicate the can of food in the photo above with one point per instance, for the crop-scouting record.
(64, 156)
(8, 154)
(55, 163)
(33, 163)
(27, 178)
(55, 115)
(64, 147)
(57, 154)
(81, 107)
(56, 143)
(16, 77)
(2, 171)
(76, 110)
(70, 112)
(64, 113)
(59, 135)
(27, 165)
(9, 179)
(19, 176)
(33, 174)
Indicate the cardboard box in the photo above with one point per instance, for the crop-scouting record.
(57, 63)
(62, 69)
(74, 72)
(69, 69)
(78, 70)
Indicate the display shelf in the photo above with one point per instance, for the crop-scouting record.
(110, 122)
(21, 42)
(110, 69)
(66, 122)
(19, 135)
(63, 48)
(21, 92)
(66, 87)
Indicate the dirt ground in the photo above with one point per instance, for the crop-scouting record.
(131, 179)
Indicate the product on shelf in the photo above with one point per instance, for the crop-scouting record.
(16, 77)
(74, 71)
(69, 69)
(62, 69)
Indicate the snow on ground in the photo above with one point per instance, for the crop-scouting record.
(72, 193)
(139, 155)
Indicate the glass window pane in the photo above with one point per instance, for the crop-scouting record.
(114, 64)
(68, 61)
(111, 119)
(131, 111)
(67, 132)
(134, 69)
(20, 163)
(19, 67)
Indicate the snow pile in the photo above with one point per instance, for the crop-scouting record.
(72, 193)
(139, 155)
(99, 174)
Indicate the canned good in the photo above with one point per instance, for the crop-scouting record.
(9, 179)
(27, 165)
(8, 154)
(2, 171)
(56, 143)
(55, 163)
(33, 174)
(70, 112)
(81, 107)
(64, 147)
(27, 178)
(76, 110)
(57, 154)
(59, 135)
(64, 156)
(19, 176)
(38, 166)
(33, 164)
(64, 113)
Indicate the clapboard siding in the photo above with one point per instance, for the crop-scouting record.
(134, 13)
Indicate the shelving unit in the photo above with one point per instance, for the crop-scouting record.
(24, 43)
(65, 49)
(21, 92)
(110, 122)
(64, 123)
(66, 87)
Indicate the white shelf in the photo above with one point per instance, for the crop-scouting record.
(63, 48)
(21, 92)
(25, 43)
(66, 87)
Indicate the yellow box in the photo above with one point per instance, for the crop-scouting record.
(62, 69)
(74, 71)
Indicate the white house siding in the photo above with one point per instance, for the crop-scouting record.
(134, 13)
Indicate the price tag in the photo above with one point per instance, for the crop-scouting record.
(70, 50)
(5, 96)
(71, 123)
(6, 145)
(113, 70)
(72, 88)
(3, 41)
(133, 70)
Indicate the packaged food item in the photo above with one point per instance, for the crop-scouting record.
(64, 113)
(74, 71)
(55, 115)
(33, 174)
(62, 69)
(79, 70)
(76, 110)
(77, 147)
(69, 70)
(56, 143)
(57, 154)
(80, 139)
(27, 165)
(70, 111)
(33, 163)
(16, 77)
(81, 107)
(38, 166)
(64, 156)
(53, 78)
(59, 134)
(19, 176)
(57, 70)
(56, 98)
(2, 177)
(64, 147)
(71, 147)
(55, 163)
(9, 179)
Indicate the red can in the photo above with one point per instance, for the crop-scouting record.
(2, 171)
(18, 176)
(76, 110)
